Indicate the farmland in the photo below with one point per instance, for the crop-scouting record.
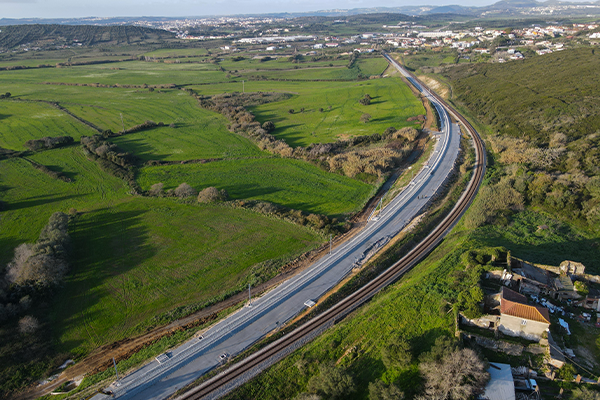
(294, 184)
(134, 256)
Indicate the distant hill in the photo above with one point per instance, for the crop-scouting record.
(88, 35)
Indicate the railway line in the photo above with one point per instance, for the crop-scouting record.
(218, 385)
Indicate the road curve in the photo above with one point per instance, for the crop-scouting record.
(171, 371)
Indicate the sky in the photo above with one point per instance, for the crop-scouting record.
(183, 8)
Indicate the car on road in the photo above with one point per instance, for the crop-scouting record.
(223, 356)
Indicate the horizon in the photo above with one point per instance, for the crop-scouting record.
(51, 9)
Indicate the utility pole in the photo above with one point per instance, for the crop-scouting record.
(330, 244)
(122, 123)
(116, 371)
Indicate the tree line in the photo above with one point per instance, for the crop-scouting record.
(351, 156)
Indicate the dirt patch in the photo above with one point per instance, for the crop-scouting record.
(440, 88)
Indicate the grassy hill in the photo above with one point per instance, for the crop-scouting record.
(88, 35)
(544, 124)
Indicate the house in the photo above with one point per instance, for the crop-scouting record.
(517, 318)
(501, 385)
(591, 301)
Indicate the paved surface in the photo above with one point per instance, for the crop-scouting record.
(177, 368)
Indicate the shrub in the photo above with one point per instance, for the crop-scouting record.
(184, 190)
(332, 382)
(28, 324)
(48, 143)
(156, 189)
(380, 391)
(212, 194)
(365, 118)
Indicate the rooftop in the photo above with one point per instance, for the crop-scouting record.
(501, 385)
(515, 304)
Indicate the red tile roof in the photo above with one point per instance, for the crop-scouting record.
(515, 304)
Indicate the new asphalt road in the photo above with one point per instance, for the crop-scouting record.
(175, 369)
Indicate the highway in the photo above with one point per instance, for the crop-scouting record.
(182, 365)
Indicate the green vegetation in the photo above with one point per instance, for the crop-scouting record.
(294, 184)
(366, 346)
(15, 35)
(342, 120)
(141, 261)
(545, 138)
(22, 122)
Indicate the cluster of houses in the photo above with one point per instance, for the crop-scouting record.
(530, 294)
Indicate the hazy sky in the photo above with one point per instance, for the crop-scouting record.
(169, 8)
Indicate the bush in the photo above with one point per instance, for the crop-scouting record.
(157, 189)
(397, 353)
(365, 118)
(48, 143)
(184, 190)
(212, 194)
(28, 324)
(380, 391)
(332, 382)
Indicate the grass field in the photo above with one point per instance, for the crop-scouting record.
(176, 52)
(136, 257)
(31, 196)
(292, 183)
(162, 254)
(23, 121)
(392, 103)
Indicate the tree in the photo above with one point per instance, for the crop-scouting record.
(581, 288)
(268, 126)
(291, 111)
(185, 190)
(321, 109)
(28, 324)
(567, 372)
(458, 375)
(585, 394)
(45, 261)
(380, 391)
(365, 118)
(397, 353)
(332, 382)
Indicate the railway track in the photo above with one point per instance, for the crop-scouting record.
(350, 303)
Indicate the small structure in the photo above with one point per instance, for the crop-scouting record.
(564, 288)
(501, 385)
(533, 280)
(572, 268)
(517, 318)
(592, 300)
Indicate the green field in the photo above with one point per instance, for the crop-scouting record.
(392, 104)
(292, 183)
(23, 121)
(138, 257)
(176, 52)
